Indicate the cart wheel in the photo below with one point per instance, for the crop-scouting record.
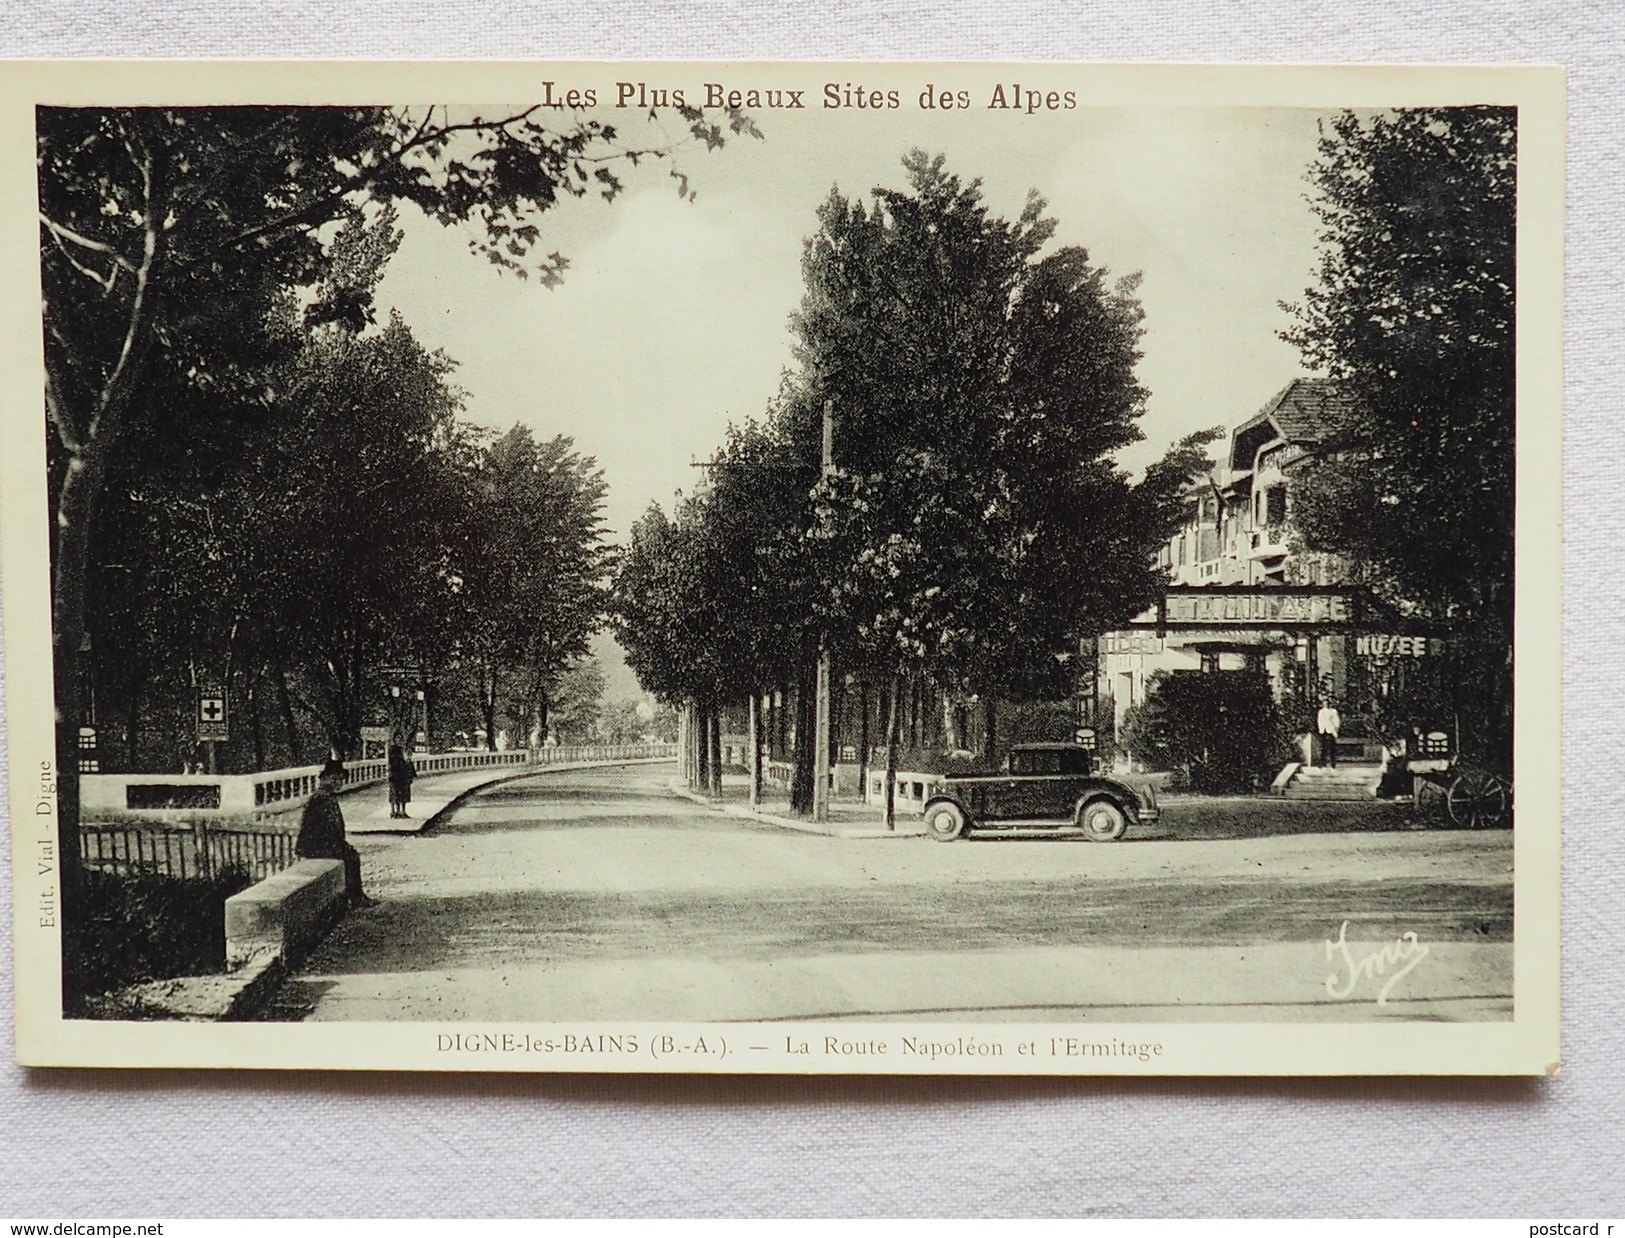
(1477, 801)
(1429, 798)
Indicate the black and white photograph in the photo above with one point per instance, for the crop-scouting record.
(827, 568)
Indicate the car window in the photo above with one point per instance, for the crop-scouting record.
(1041, 761)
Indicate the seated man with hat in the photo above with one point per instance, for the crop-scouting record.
(321, 832)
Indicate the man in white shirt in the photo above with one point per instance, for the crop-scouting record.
(1328, 722)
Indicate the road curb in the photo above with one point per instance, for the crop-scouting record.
(425, 824)
(791, 823)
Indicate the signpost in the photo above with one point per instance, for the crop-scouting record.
(212, 715)
(213, 718)
(374, 741)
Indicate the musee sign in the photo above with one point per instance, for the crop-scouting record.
(1376, 645)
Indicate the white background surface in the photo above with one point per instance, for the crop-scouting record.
(145, 1146)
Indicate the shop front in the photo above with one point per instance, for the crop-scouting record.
(1315, 644)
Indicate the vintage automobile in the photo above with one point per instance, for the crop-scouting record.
(1052, 787)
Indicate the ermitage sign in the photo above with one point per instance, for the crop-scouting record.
(1265, 606)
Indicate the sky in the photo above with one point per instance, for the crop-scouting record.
(673, 319)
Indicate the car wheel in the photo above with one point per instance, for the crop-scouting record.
(1102, 821)
(945, 822)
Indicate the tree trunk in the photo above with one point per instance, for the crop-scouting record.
(915, 704)
(755, 750)
(696, 729)
(76, 511)
(837, 716)
(863, 738)
(256, 722)
(703, 737)
(891, 752)
(285, 707)
(990, 719)
(132, 730)
(781, 721)
(429, 720)
(685, 743)
(716, 752)
(950, 732)
(801, 778)
(488, 708)
(90, 449)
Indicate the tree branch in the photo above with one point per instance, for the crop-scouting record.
(103, 421)
(60, 234)
(57, 413)
(421, 138)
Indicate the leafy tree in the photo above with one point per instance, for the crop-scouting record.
(166, 235)
(370, 483)
(648, 617)
(1412, 313)
(672, 624)
(620, 722)
(212, 532)
(537, 571)
(663, 724)
(975, 527)
(579, 703)
(708, 604)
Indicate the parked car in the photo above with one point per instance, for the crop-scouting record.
(1041, 786)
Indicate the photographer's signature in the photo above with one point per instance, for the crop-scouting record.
(1388, 963)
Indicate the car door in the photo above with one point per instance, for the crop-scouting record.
(1076, 775)
(999, 791)
(1034, 784)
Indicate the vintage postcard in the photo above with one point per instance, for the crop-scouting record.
(930, 568)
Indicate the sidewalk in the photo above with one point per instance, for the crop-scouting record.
(366, 809)
(847, 818)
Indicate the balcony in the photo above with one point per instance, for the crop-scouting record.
(1269, 542)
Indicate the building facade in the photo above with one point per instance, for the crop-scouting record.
(1244, 596)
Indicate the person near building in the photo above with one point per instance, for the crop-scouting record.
(321, 832)
(401, 773)
(1328, 723)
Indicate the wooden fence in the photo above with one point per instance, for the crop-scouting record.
(194, 849)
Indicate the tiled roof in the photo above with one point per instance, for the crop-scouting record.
(1306, 410)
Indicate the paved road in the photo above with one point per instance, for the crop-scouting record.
(598, 895)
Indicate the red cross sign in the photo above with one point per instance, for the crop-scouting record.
(211, 712)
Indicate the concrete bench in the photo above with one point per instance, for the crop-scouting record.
(285, 914)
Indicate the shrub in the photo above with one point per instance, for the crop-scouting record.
(1221, 729)
(138, 926)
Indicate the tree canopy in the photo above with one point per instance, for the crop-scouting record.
(975, 527)
(1413, 313)
(972, 526)
(535, 579)
(207, 277)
